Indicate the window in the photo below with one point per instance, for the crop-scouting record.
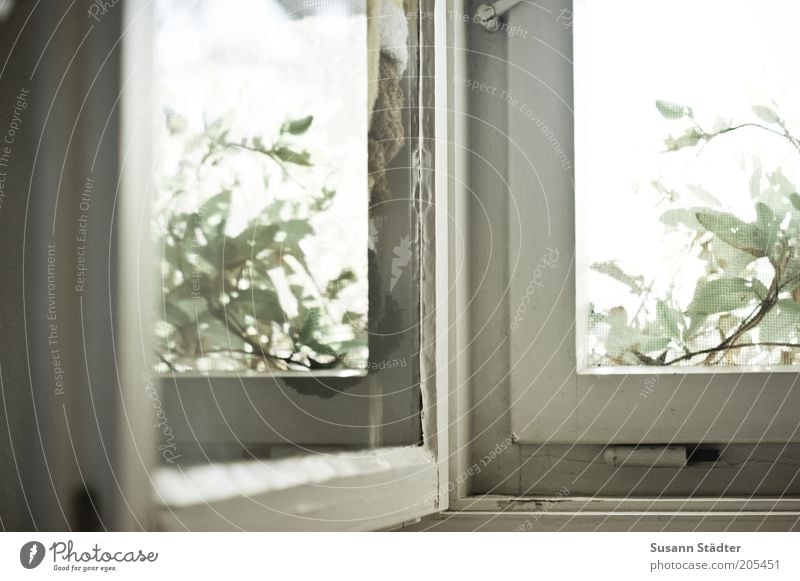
(262, 204)
(314, 435)
(688, 212)
(537, 356)
(286, 225)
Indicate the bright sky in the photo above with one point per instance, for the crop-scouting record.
(250, 60)
(718, 56)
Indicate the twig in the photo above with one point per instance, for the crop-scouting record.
(164, 360)
(270, 155)
(785, 134)
(737, 346)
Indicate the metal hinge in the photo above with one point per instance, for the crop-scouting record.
(488, 15)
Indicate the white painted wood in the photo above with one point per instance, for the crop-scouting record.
(556, 514)
(361, 491)
(137, 449)
(549, 403)
(457, 296)
(486, 197)
(743, 469)
(358, 491)
(609, 505)
(546, 402)
(444, 334)
(552, 522)
(268, 410)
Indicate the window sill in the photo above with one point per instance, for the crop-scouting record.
(542, 514)
(312, 374)
(358, 491)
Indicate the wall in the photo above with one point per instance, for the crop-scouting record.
(58, 375)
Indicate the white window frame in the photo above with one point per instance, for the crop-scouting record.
(368, 490)
(542, 377)
(501, 512)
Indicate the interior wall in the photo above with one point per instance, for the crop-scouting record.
(58, 374)
(17, 444)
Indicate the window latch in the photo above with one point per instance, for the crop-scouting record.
(646, 456)
(660, 456)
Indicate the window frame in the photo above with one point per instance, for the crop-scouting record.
(480, 412)
(625, 409)
(364, 490)
(360, 408)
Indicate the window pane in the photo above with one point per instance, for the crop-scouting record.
(262, 209)
(688, 157)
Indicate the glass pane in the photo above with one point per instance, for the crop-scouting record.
(262, 178)
(688, 160)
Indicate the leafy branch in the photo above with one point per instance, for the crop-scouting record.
(727, 243)
(251, 297)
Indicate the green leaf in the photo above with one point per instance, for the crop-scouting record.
(289, 155)
(323, 349)
(722, 295)
(169, 250)
(249, 243)
(235, 251)
(258, 237)
(685, 216)
(672, 110)
(696, 320)
(781, 323)
(214, 334)
(650, 344)
(274, 211)
(779, 181)
(736, 232)
(765, 114)
(759, 288)
(210, 219)
(620, 336)
(766, 217)
(690, 139)
(338, 284)
(324, 201)
(612, 269)
(179, 225)
(794, 198)
(176, 316)
(297, 126)
(216, 206)
(310, 326)
(791, 274)
(729, 258)
(668, 318)
(263, 304)
(626, 342)
(295, 231)
(197, 270)
(354, 318)
(176, 123)
(767, 222)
